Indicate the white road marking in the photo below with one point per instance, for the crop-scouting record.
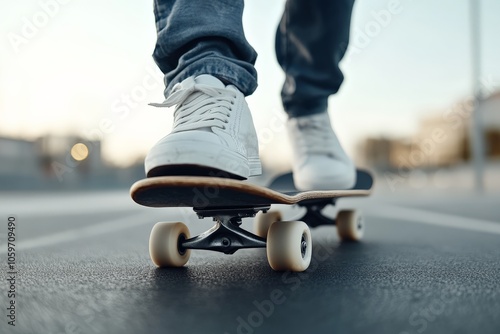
(67, 208)
(433, 218)
(36, 205)
(84, 232)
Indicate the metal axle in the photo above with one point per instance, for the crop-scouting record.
(226, 235)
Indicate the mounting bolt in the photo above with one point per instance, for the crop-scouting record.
(226, 242)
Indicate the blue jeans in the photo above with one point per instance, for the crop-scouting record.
(206, 37)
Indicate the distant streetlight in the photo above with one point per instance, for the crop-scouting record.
(476, 127)
(79, 152)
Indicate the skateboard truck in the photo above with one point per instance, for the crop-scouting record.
(225, 236)
(313, 215)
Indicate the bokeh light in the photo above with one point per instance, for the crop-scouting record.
(79, 152)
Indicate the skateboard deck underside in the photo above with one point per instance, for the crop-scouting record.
(210, 192)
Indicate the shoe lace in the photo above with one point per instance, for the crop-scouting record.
(199, 106)
(315, 136)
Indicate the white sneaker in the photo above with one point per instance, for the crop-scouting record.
(319, 162)
(213, 133)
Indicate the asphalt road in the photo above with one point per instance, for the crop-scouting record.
(428, 264)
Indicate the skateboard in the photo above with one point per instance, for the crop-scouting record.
(288, 243)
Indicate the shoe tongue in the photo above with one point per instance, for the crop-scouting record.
(209, 80)
(205, 79)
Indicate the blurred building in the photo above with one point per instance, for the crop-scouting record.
(18, 162)
(490, 109)
(69, 156)
(382, 153)
(441, 140)
(60, 162)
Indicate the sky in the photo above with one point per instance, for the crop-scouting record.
(86, 69)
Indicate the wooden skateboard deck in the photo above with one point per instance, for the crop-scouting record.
(212, 192)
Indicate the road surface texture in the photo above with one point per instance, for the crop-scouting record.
(429, 263)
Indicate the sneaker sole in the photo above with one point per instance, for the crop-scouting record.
(187, 159)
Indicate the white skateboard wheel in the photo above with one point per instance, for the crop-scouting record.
(289, 246)
(263, 222)
(164, 244)
(350, 225)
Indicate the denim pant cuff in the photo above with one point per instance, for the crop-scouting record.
(306, 108)
(219, 67)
